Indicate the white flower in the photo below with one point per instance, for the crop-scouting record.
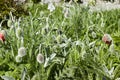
(18, 58)
(51, 7)
(21, 51)
(40, 58)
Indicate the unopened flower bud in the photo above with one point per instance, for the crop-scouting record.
(40, 58)
(18, 32)
(9, 23)
(16, 24)
(21, 51)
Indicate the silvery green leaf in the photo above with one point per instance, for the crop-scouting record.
(77, 42)
(7, 78)
(52, 56)
(111, 49)
(23, 74)
(92, 44)
(46, 62)
(63, 45)
(105, 69)
(111, 71)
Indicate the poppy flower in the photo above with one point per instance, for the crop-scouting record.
(2, 37)
(107, 39)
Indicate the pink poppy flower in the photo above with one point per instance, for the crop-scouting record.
(2, 37)
(107, 39)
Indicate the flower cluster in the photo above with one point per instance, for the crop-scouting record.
(21, 53)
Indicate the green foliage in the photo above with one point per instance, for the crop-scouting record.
(72, 47)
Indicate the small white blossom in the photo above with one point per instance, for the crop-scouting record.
(18, 58)
(51, 7)
(40, 58)
(22, 51)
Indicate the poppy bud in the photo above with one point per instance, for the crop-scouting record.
(18, 32)
(9, 23)
(107, 39)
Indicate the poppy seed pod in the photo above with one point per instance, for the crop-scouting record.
(107, 39)
(40, 58)
(21, 51)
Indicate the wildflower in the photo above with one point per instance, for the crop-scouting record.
(22, 51)
(18, 32)
(18, 58)
(107, 39)
(9, 23)
(40, 58)
(2, 37)
(51, 7)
